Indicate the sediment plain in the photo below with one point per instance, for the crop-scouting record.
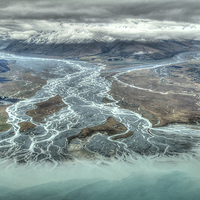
(164, 95)
(72, 109)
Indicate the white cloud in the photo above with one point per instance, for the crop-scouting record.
(22, 35)
(132, 29)
(128, 19)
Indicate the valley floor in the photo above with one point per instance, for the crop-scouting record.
(164, 95)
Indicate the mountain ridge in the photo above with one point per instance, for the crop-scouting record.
(121, 48)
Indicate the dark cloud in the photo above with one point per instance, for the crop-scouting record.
(101, 11)
(145, 19)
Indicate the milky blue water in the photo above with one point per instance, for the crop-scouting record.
(174, 185)
(140, 180)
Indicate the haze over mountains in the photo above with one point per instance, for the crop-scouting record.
(117, 48)
(135, 40)
(79, 28)
(148, 19)
(140, 39)
(99, 89)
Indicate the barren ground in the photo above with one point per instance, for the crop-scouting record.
(163, 95)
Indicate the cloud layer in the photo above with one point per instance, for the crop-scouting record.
(101, 10)
(164, 19)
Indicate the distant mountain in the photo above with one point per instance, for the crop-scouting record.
(55, 44)
(4, 66)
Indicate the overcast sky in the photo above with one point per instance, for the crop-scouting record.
(28, 16)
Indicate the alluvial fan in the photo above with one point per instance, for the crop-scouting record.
(79, 91)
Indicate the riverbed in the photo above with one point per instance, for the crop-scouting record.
(46, 147)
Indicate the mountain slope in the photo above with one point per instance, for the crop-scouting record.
(135, 39)
(124, 49)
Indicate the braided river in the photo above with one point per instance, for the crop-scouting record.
(154, 163)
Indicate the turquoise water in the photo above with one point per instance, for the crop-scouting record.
(173, 185)
(141, 180)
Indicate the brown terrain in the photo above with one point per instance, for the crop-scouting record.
(24, 126)
(163, 95)
(3, 119)
(22, 84)
(45, 108)
(111, 127)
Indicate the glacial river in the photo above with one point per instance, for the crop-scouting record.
(83, 89)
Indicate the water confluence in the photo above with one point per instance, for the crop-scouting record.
(82, 89)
